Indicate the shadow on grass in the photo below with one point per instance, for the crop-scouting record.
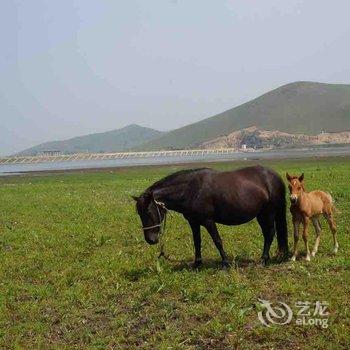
(239, 262)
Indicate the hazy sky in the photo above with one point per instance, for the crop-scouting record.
(69, 68)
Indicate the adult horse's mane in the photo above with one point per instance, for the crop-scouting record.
(172, 176)
(142, 204)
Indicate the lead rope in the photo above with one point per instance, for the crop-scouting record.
(161, 238)
(161, 228)
(162, 232)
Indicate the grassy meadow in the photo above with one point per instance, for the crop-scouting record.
(75, 271)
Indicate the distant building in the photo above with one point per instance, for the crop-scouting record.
(50, 153)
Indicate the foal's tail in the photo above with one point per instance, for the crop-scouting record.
(281, 225)
(333, 206)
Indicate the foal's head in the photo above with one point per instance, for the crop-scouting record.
(151, 214)
(296, 187)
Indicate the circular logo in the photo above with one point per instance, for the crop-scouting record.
(279, 314)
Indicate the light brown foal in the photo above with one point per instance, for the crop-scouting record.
(306, 206)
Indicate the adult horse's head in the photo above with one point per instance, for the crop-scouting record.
(152, 214)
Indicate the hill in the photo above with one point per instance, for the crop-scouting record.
(300, 107)
(111, 141)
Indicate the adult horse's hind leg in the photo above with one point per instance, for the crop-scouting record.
(281, 228)
(317, 226)
(213, 231)
(333, 227)
(267, 224)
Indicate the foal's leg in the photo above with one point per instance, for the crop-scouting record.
(306, 221)
(196, 232)
(266, 222)
(333, 227)
(213, 231)
(296, 225)
(317, 226)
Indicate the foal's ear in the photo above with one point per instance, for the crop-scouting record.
(301, 177)
(288, 177)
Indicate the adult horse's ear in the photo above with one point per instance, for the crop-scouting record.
(135, 198)
(288, 177)
(301, 177)
(149, 195)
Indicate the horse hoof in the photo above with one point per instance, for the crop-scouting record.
(293, 258)
(225, 265)
(313, 253)
(264, 261)
(307, 258)
(282, 255)
(197, 264)
(335, 250)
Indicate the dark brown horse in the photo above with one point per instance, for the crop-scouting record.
(206, 197)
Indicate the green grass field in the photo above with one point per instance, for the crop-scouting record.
(77, 273)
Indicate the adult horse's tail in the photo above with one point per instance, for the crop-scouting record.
(281, 224)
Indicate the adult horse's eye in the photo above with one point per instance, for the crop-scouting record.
(299, 188)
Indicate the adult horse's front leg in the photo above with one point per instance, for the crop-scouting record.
(213, 231)
(196, 232)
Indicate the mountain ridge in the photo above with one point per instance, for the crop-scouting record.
(298, 107)
(116, 140)
(301, 107)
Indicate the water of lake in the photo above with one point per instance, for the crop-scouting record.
(11, 169)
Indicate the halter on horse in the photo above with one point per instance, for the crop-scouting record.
(161, 225)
